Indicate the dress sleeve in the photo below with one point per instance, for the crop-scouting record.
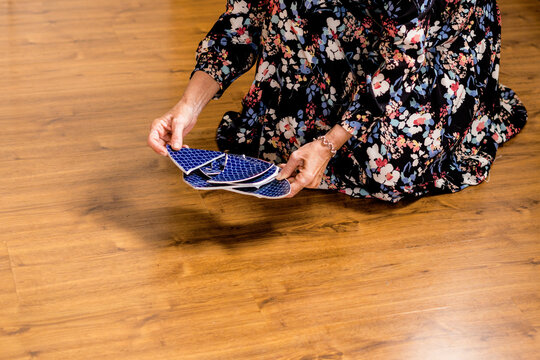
(231, 47)
(404, 25)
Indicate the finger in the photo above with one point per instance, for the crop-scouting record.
(317, 180)
(295, 172)
(304, 178)
(166, 124)
(161, 126)
(297, 184)
(177, 132)
(294, 162)
(295, 189)
(156, 143)
(185, 146)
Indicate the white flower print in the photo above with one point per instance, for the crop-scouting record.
(403, 117)
(387, 176)
(240, 7)
(416, 121)
(383, 172)
(237, 22)
(447, 82)
(414, 158)
(460, 96)
(334, 51)
(302, 54)
(374, 154)
(434, 140)
(495, 73)
(333, 24)
(481, 49)
(434, 29)
(412, 39)
(456, 90)
(477, 128)
(265, 71)
(290, 31)
(241, 136)
(288, 126)
(292, 86)
(382, 196)
(331, 96)
(236, 25)
(379, 85)
(469, 179)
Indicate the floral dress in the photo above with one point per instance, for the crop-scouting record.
(415, 82)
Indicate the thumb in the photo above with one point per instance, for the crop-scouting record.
(287, 170)
(176, 138)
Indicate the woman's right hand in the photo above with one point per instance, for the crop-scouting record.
(171, 128)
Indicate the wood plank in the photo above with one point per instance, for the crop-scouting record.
(106, 254)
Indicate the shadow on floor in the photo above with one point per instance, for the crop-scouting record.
(147, 198)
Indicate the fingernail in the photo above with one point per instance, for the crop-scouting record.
(176, 145)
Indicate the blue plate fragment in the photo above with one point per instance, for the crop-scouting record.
(199, 181)
(215, 167)
(214, 170)
(188, 159)
(260, 180)
(275, 189)
(241, 168)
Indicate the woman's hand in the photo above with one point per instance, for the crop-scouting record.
(171, 128)
(306, 165)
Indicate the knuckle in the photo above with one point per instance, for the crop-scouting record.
(306, 177)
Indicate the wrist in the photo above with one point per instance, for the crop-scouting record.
(186, 106)
(200, 90)
(337, 136)
(328, 145)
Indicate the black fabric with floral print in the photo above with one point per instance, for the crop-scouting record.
(415, 82)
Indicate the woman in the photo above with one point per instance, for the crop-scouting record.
(373, 98)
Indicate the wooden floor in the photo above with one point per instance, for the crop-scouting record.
(106, 254)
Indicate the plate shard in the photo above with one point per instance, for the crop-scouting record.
(214, 170)
(188, 159)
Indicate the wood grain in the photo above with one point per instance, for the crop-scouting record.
(106, 254)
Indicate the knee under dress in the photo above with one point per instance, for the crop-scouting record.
(415, 82)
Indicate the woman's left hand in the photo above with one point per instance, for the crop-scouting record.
(306, 166)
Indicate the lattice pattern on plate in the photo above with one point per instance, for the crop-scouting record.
(198, 180)
(241, 168)
(213, 170)
(275, 189)
(215, 167)
(188, 159)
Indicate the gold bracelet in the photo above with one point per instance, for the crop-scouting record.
(328, 144)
